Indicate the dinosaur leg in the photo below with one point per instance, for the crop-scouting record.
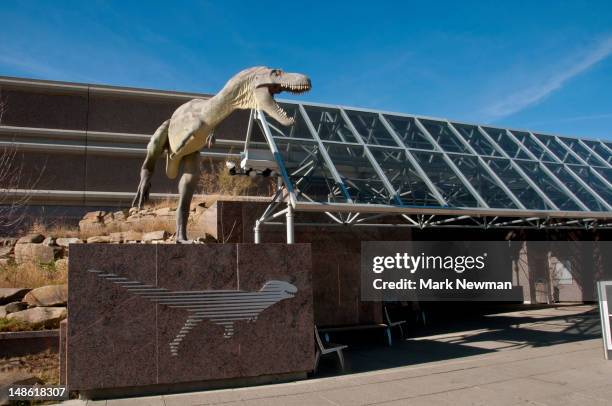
(189, 324)
(187, 186)
(154, 150)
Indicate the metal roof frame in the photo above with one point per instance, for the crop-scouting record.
(481, 215)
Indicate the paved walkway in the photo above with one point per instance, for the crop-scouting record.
(534, 357)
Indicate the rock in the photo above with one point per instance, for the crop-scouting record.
(98, 239)
(48, 317)
(108, 218)
(125, 236)
(133, 210)
(5, 251)
(15, 307)
(94, 216)
(155, 235)
(49, 241)
(4, 262)
(64, 242)
(8, 295)
(25, 252)
(2, 312)
(50, 295)
(31, 239)
(119, 215)
(164, 211)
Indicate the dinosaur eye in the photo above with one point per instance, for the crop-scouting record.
(276, 72)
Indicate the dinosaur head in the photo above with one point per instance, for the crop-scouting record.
(258, 86)
(282, 288)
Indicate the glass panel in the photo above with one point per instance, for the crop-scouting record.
(409, 133)
(358, 174)
(370, 128)
(593, 181)
(572, 184)
(481, 180)
(548, 186)
(476, 140)
(443, 177)
(606, 172)
(600, 150)
(582, 151)
(406, 181)
(329, 124)
(443, 135)
(297, 130)
(506, 142)
(533, 146)
(552, 144)
(308, 172)
(515, 182)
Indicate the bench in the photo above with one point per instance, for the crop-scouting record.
(328, 348)
(387, 326)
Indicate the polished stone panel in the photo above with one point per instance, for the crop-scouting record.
(118, 338)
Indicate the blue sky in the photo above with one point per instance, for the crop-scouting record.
(543, 65)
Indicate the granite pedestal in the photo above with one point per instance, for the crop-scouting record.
(150, 318)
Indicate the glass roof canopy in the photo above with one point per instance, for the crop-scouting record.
(353, 162)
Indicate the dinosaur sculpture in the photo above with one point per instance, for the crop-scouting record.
(223, 307)
(192, 126)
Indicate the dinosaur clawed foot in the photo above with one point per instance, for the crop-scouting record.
(142, 194)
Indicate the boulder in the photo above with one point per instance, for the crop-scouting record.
(108, 218)
(64, 242)
(119, 215)
(94, 216)
(98, 239)
(8, 295)
(51, 295)
(49, 241)
(155, 235)
(15, 307)
(48, 317)
(31, 239)
(30, 252)
(3, 312)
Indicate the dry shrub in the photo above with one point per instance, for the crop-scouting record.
(55, 230)
(219, 181)
(32, 275)
(44, 365)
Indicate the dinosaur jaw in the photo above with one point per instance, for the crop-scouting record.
(264, 95)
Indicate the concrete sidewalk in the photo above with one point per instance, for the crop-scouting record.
(512, 368)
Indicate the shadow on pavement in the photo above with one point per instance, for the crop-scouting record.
(457, 337)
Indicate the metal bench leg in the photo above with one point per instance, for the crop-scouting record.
(316, 365)
(341, 359)
(401, 332)
(389, 339)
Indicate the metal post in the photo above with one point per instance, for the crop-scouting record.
(257, 233)
(289, 215)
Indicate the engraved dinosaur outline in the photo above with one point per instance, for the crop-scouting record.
(223, 307)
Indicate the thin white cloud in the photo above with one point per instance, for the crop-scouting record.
(532, 94)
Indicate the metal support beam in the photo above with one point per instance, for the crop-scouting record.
(290, 225)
